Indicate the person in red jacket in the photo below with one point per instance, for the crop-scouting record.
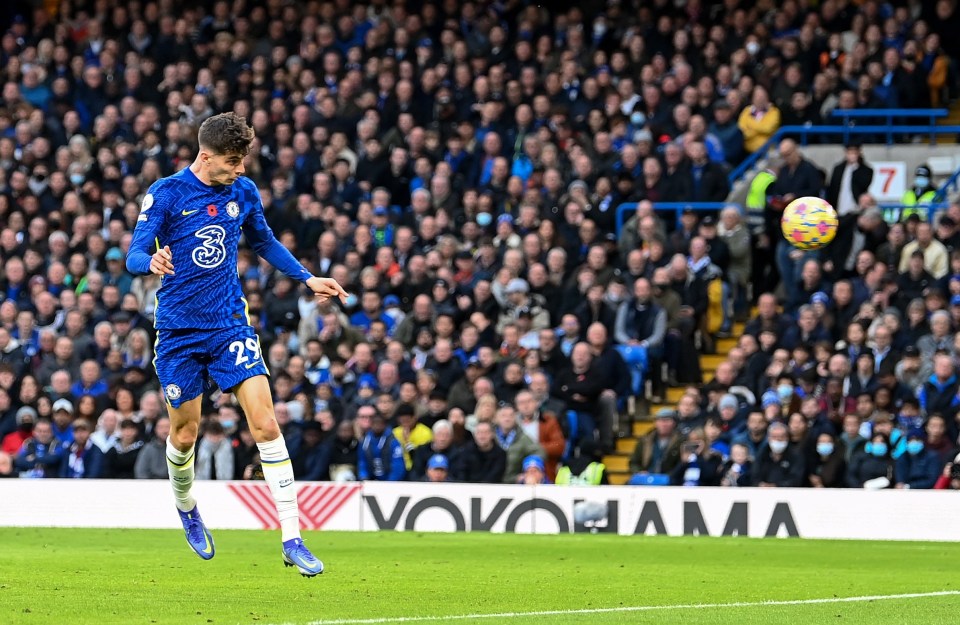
(950, 478)
(12, 442)
(543, 428)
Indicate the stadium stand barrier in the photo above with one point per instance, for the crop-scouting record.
(932, 209)
(873, 129)
(374, 506)
(951, 185)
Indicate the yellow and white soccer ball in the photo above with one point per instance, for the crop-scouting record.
(809, 223)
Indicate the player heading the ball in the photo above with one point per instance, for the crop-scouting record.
(194, 220)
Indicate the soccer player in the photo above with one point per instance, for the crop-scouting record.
(195, 218)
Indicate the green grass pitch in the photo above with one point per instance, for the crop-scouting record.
(125, 577)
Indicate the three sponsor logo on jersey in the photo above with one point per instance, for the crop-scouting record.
(211, 251)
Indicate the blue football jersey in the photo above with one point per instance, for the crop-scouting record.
(202, 225)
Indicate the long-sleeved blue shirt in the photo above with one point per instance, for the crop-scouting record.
(202, 224)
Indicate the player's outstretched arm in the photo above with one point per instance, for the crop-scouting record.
(261, 238)
(259, 235)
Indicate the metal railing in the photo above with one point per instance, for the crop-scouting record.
(931, 209)
(892, 116)
(952, 184)
(888, 131)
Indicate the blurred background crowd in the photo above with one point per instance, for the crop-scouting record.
(458, 166)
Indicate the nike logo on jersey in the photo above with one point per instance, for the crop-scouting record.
(286, 482)
(252, 365)
(185, 213)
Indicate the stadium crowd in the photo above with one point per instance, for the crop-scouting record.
(458, 166)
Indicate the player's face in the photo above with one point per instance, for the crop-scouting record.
(224, 168)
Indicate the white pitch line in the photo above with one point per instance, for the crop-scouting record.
(639, 608)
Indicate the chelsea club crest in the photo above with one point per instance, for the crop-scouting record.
(233, 209)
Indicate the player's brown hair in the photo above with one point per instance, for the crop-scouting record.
(226, 133)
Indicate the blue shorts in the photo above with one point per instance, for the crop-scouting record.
(187, 360)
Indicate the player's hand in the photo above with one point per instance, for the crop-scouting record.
(161, 263)
(325, 288)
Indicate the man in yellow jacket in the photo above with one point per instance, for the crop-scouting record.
(758, 121)
(409, 432)
(917, 198)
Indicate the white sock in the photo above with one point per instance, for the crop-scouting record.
(180, 468)
(278, 472)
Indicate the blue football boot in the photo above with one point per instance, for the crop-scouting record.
(198, 537)
(295, 553)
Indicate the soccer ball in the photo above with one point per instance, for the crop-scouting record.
(809, 223)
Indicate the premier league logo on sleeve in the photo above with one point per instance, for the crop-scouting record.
(145, 206)
(233, 209)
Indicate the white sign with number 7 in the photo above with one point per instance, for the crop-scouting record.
(889, 180)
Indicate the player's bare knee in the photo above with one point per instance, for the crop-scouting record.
(265, 430)
(184, 437)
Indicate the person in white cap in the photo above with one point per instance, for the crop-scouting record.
(62, 420)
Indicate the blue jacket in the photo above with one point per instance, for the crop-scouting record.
(380, 458)
(754, 448)
(99, 388)
(40, 460)
(363, 321)
(793, 336)
(920, 471)
(312, 464)
(88, 464)
(65, 435)
(944, 398)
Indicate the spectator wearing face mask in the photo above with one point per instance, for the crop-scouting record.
(779, 463)
(872, 467)
(829, 467)
(919, 467)
(921, 192)
(25, 419)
